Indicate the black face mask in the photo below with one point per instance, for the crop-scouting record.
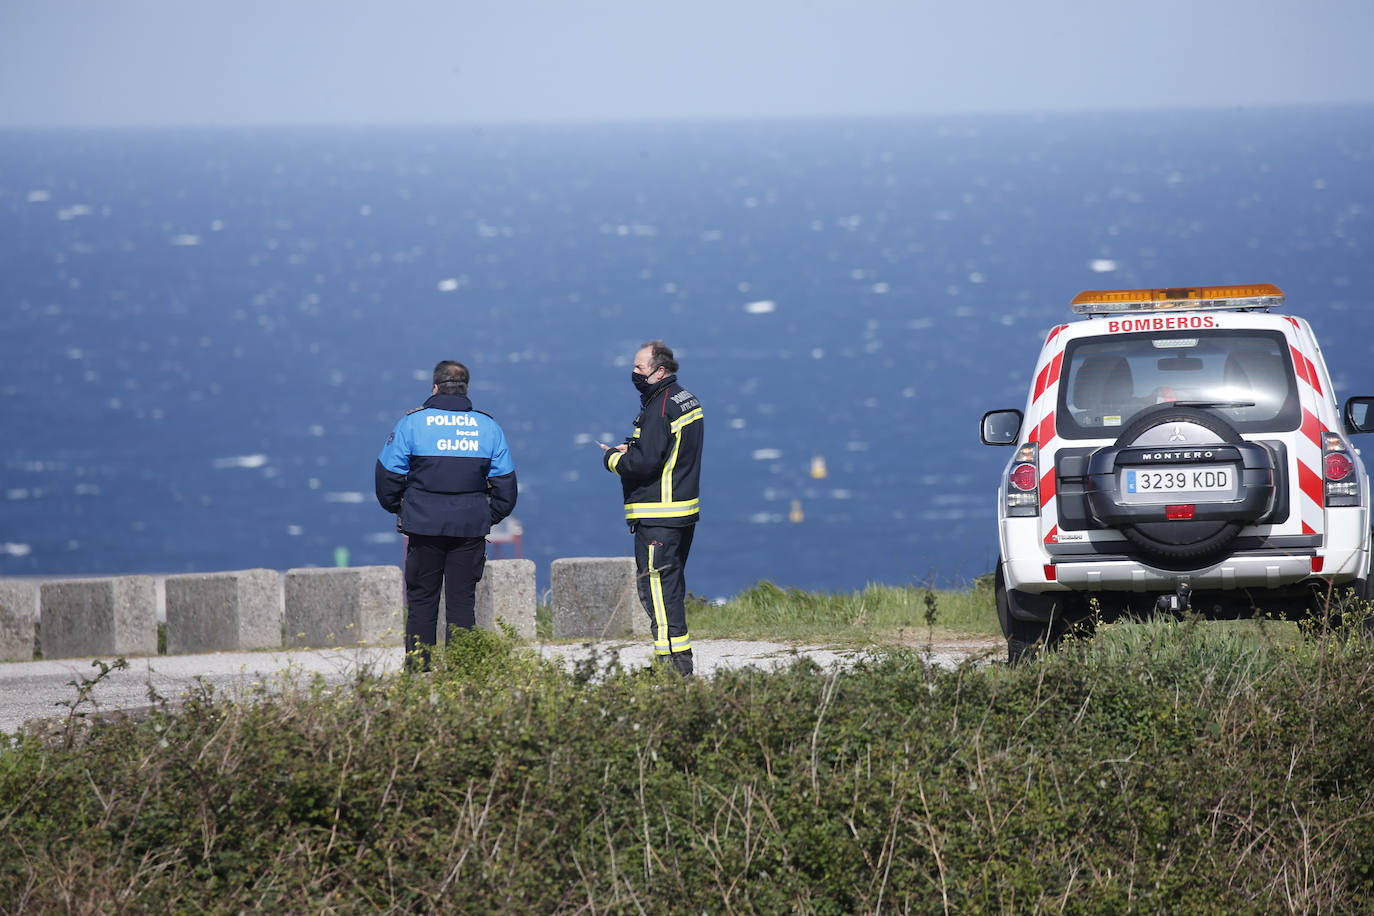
(641, 381)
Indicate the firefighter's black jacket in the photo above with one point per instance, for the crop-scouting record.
(660, 470)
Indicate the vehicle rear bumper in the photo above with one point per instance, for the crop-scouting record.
(1265, 571)
(1344, 558)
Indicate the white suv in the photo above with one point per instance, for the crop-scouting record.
(1180, 448)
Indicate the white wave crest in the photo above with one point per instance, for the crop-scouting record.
(241, 461)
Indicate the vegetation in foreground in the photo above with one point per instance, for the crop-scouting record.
(1158, 767)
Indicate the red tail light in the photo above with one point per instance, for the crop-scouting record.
(1023, 482)
(1023, 477)
(1337, 465)
(1341, 486)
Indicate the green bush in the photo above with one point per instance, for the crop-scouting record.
(1158, 771)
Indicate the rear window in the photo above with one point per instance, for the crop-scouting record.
(1246, 377)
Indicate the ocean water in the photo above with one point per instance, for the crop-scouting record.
(206, 335)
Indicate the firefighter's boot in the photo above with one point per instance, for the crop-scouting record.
(682, 663)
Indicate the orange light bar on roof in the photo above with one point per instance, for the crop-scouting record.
(1184, 298)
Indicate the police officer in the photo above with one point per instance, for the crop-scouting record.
(660, 468)
(446, 473)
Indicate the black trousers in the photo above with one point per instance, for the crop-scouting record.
(453, 564)
(660, 566)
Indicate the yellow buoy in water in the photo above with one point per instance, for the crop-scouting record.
(818, 467)
(796, 515)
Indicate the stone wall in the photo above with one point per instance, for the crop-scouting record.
(83, 617)
(591, 597)
(595, 598)
(224, 612)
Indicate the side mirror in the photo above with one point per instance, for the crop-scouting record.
(1001, 427)
(1359, 415)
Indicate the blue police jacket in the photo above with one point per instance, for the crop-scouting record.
(446, 470)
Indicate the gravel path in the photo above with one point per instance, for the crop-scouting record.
(38, 690)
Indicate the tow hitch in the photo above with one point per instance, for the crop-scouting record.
(1177, 602)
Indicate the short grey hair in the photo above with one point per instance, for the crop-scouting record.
(660, 356)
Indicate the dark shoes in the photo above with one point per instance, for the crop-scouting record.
(417, 660)
(682, 662)
(679, 663)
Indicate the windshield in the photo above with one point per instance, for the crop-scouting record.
(1244, 376)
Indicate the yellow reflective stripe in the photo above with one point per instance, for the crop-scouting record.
(662, 510)
(681, 643)
(665, 480)
(670, 466)
(661, 645)
(614, 459)
(690, 417)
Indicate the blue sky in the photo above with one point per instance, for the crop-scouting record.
(210, 62)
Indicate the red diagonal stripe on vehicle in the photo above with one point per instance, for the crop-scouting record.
(1053, 535)
(1312, 427)
(1310, 483)
(1045, 431)
(1046, 487)
(1299, 362)
(1041, 380)
(1312, 377)
(1306, 371)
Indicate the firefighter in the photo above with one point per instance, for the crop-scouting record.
(447, 474)
(660, 468)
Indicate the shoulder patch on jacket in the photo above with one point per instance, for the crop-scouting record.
(415, 410)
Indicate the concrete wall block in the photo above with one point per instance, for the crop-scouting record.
(224, 612)
(344, 606)
(506, 591)
(18, 605)
(90, 617)
(595, 597)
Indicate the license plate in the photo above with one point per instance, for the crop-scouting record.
(1178, 481)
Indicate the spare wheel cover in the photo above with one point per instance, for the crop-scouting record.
(1180, 540)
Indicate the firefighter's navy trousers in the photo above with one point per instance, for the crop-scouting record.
(660, 561)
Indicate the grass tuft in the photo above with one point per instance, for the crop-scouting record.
(876, 614)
